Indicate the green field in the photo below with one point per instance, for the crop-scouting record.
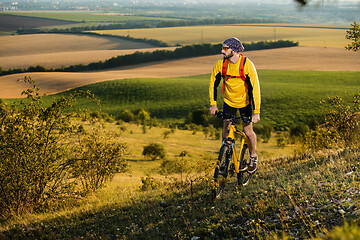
(288, 97)
(89, 16)
(307, 35)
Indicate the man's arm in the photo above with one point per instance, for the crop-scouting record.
(256, 87)
(215, 80)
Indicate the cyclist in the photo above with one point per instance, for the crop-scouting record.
(238, 93)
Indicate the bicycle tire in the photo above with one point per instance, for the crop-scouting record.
(243, 176)
(220, 177)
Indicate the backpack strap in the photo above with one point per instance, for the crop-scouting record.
(241, 70)
(242, 64)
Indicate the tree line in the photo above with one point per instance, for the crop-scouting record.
(187, 51)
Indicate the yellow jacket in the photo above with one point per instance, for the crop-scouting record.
(235, 88)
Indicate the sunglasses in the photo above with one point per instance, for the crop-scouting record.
(225, 48)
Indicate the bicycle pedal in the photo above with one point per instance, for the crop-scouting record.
(244, 169)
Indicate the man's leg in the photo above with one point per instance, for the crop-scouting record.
(226, 128)
(248, 130)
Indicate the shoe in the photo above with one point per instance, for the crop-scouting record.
(253, 165)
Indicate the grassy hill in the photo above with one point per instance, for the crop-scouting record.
(288, 97)
(299, 196)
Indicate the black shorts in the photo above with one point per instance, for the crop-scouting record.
(245, 112)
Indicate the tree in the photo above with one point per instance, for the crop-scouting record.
(353, 34)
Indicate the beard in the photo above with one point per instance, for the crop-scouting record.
(228, 56)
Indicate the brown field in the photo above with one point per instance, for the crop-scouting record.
(12, 23)
(306, 35)
(20, 45)
(57, 50)
(296, 58)
(57, 60)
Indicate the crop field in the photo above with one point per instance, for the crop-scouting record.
(19, 45)
(288, 97)
(10, 23)
(305, 35)
(88, 16)
(294, 58)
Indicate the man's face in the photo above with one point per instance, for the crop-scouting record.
(227, 52)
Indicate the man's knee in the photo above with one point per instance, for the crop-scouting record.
(249, 131)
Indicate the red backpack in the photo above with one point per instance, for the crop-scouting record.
(224, 69)
(246, 79)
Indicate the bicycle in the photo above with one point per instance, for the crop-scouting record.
(229, 162)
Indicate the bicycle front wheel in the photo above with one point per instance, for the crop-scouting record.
(243, 176)
(221, 171)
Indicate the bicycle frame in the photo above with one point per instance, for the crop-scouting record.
(233, 130)
(231, 162)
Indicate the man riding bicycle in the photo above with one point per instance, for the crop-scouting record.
(241, 90)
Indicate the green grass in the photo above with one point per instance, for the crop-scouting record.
(288, 97)
(302, 197)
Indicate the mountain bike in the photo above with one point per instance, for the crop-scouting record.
(230, 161)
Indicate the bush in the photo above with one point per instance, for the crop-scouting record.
(96, 159)
(143, 116)
(281, 140)
(153, 151)
(166, 133)
(341, 128)
(264, 131)
(37, 164)
(298, 132)
(127, 116)
(149, 183)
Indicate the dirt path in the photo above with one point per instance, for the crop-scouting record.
(296, 58)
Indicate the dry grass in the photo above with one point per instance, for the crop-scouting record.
(296, 58)
(306, 35)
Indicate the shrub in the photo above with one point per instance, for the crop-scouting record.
(281, 139)
(166, 133)
(153, 151)
(143, 116)
(96, 159)
(298, 132)
(37, 165)
(341, 128)
(264, 131)
(127, 116)
(149, 183)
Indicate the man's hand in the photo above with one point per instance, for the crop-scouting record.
(213, 109)
(255, 118)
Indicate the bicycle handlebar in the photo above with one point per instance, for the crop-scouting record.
(222, 115)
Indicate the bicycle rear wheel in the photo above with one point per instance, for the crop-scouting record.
(243, 176)
(221, 171)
